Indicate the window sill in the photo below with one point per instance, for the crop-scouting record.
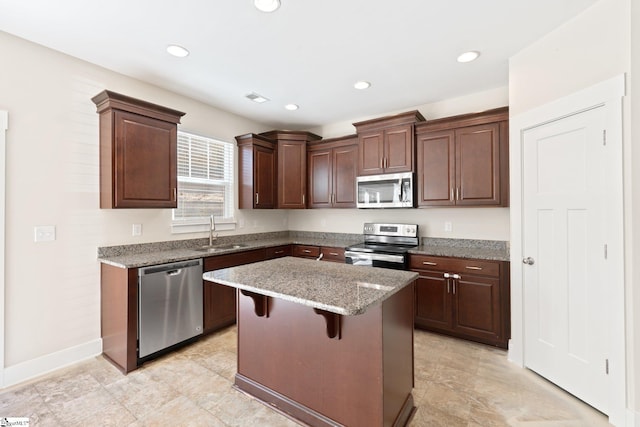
(199, 227)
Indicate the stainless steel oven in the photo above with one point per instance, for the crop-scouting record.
(385, 245)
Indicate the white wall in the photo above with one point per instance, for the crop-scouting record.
(52, 288)
(593, 47)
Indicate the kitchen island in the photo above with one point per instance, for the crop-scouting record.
(328, 344)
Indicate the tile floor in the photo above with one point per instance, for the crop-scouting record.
(457, 384)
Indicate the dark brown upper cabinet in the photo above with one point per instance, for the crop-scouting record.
(464, 160)
(386, 144)
(256, 172)
(332, 168)
(291, 153)
(138, 152)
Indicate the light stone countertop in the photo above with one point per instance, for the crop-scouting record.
(143, 258)
(146, 254)
(334, 287)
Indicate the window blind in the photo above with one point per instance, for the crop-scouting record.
(205, 179)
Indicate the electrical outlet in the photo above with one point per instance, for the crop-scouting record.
(136, 230)
(448, 227)
(44, 233)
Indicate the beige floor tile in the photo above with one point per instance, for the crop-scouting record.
(457, 383)
(179, 412)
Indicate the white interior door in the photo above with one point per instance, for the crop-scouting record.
(566, 298)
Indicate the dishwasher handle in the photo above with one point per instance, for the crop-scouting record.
(171, 269)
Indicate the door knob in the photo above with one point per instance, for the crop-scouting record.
(528, 260)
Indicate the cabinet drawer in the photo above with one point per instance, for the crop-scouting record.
(457, 265)
(332, 254)
(306, 251)
(232, 260)
(278, 251)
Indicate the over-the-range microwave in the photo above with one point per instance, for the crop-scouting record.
(385, 191)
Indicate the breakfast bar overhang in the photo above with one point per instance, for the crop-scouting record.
(325, 343)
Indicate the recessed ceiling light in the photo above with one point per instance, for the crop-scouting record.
(257, 98)
(362, 85)
(472, 55)
(291, 107)
(178, 51)
(267, 5)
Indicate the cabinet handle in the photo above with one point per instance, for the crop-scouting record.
(333, 253)
(303, 199)
(453, 197)
(306, 251)
(457, 193)
(468, 267)
(257, 198)
(429, 263)
(454, 287)
(175, 194)
(448, 286)
(278, 252)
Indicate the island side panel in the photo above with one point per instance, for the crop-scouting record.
(289, 353)
(397, 336)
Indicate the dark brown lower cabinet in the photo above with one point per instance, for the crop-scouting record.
(465, 298)
(219, 300)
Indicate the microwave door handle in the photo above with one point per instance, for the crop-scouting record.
(401, 191)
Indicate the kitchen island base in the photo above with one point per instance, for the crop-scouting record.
(327, 369)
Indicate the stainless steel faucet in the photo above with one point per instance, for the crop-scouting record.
(212, 228)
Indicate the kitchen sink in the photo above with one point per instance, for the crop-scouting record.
(213, 249)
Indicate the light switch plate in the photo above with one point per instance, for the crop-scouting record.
(44, 233)
(448, 226)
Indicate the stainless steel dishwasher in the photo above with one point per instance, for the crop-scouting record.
(169, 305)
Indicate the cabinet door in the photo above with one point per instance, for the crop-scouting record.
(145, 167)
(292, 175)
(433, 301)
(264, 174)
(345, 161)
(398, 149)
(219, 301)
(436, 169)
(476, 310)
(219, 306)
(320, 179)
(478, 165)
(371, 153)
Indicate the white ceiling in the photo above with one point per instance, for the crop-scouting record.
(308, 52)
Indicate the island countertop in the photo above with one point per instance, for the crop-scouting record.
(338, 288)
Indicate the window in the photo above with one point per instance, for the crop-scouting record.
(205, 182)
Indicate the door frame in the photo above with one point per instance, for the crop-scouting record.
(4, 125)
(609, 95)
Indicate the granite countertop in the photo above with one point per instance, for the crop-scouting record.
(134, 256)
(337, 288)
(146, 254)
(463, 248)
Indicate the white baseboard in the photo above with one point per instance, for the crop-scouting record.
(42, 365)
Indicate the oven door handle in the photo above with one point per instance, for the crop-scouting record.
(374, 257)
